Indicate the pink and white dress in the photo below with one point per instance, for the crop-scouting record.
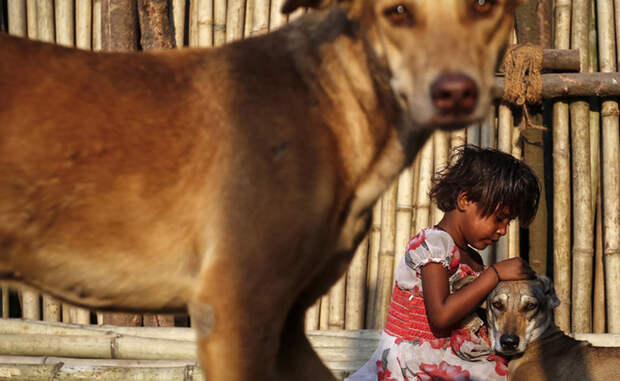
(409, 349)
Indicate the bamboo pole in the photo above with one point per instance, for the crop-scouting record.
(582, 193)
(16, 10)
(119, 25)
(219, 22)
(504, 143)
(64, 22)
(249, 16)
(51, 309)
(204, 18)
(97, 27)
(356, 288)
(374, 241)
(31, 18)
(324, 313)
(561, 183)
(609, 53)
(31, 305)
(235, 16)
(45, 20)
(89, 363)
(193, 24)
(276, 18)
(5, 302)
(488, 129)
(598, 315)
(386, 254)
(404, 214)
(155, 24)
(84, 24)
(312, 316)
(473, 134)
(513, 227)
(458, 138)
(260, 18)
(422, 217)
(441, 149)
(336, 313)
(179, 9)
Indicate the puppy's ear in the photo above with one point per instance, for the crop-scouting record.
(549, 291)
(291, 5)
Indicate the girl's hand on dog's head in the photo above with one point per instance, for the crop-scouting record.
(514, 269)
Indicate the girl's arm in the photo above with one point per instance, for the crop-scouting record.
(444, 309)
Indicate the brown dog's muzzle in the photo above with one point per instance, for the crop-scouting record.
(454, 95)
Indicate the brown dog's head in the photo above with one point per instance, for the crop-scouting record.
(518, 312)
(440, 55)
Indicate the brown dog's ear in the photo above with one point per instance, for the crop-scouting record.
(291, 5)
(549, 291)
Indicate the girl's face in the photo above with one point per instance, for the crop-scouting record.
(480, 231)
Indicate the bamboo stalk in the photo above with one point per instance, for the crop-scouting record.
(441, 149)
(84, 24)
(193, 24)
(220, 22)
(582, 193)
(458, 138)
(97, 42)
(571, 85)
(609, 53)
(599, 319)
(16, 10)
(488, 129)
(422, 217)
(260, 18)
(5, 302)
(324, 313)
(204, 17)
(504, 143)
(374, 241)
(276, 19)
(31, 18)
(235, 16)
(404, 214)
(473, 134)
(312, 316)
(249, 16)
(386, 254)
(77, 362)
(51, 308)
(64, 22)
(119, 25)
(415, 190)
(356, 288)
(538, 262)
(561, 183)
(31, 305)
(45, 20)
(336, 313)
(178, 21)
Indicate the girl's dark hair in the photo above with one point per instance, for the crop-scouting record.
(491, 178)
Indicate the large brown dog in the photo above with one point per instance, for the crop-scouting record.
(236, 181)
(520, 319)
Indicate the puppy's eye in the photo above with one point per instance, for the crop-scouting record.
(399, 15)
(498, 306)
(483, 7)
(530, 306)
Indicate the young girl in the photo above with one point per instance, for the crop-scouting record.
(480, 193)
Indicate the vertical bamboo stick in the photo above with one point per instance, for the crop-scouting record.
(488, 129)
(415, 190)
(513, 228)
(473, 134)
(45, 20)
(609, 53)
(374, 242)
(504, 144)
(204, 17)
(193, 24)
(84, 25)
(31, 305)
(220, 23)
(64, 22)
(249, 17)
(459, 138)
(404, 212)
(31, 18)
(5, 303)
(598, 316)
(441, 148)
(422, 218)
(312, 316)
(582, 193)
(16, 10)
(276, 18)
(324, 313)
(386, 254)
(336, 304)
(260, 18)
(97, 25)
(561, 183)
(356, 288)
(51, 309)
(179, 8)
(235, 16)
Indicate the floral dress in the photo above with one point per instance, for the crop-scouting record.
(409, 349)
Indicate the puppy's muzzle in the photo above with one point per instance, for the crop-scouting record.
(454, 95)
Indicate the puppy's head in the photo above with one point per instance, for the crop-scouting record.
(440, 55)
(518, 312)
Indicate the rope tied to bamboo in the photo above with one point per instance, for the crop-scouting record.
(523, 79)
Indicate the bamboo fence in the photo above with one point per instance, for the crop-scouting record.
(585, 148)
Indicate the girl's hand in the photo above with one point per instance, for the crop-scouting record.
(514, 269)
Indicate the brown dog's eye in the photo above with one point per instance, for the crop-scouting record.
(498, 306)
(399, 15)
(483, 7)
(530, 306)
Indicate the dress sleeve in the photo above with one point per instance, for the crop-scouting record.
(430, 245)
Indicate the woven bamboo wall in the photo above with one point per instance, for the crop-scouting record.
(582, 138)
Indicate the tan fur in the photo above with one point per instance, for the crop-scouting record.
(235, 181)
(544, 352)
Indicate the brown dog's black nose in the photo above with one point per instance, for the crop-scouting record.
(509, 341)
(454, 94)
